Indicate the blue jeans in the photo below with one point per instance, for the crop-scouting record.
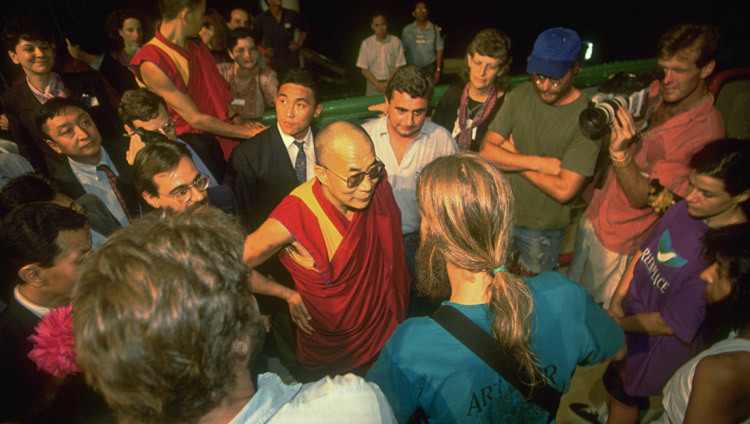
(538, 249)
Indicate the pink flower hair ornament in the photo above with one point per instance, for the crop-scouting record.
(54, 343)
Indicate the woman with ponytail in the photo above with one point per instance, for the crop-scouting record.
(547, 324)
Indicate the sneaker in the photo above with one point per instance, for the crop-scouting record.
(587, 412)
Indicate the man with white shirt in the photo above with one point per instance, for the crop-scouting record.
(93, 165)
(380, 55)
(406, 142)
(264, 169)
(42, 246)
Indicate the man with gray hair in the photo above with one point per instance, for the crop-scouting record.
(406, 142)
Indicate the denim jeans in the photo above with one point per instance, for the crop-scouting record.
(538, 249)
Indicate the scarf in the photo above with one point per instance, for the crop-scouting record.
(464, 136)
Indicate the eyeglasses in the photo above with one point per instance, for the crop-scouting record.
(168, 127)
(184, 193)
(355, 180)
(540, 79)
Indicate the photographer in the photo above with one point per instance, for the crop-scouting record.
(649, 159)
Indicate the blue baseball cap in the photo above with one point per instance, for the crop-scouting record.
(554, 51)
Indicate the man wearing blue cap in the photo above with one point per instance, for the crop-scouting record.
(535, 138)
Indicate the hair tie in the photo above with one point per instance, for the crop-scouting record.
(500, 269)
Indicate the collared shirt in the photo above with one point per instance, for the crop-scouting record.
(420, 46)
(380, 57)
(35, 309)
(55, 88)
(202, 168)
(293, 150)
(342, 399)
(433, 142)
(96, 182)
(662, 154)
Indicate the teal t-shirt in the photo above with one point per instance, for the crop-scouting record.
(424, 365)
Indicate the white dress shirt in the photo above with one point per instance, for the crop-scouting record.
(433, 142)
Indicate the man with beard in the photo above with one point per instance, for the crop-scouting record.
(339, 235)
(167, 178)
(535, 138)
(169, 295)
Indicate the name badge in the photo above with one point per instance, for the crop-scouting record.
(238, 102)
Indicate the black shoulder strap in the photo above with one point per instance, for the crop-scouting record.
(491, 352)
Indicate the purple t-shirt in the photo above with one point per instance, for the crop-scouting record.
(666, 279)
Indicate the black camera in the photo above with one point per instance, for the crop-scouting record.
(622, 90)
(149, 137)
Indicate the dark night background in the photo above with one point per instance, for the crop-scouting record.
(619, 30)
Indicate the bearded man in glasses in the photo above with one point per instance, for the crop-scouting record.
(339, 235)
(167, 178)
(535, 138)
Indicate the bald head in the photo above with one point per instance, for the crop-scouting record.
(336, 138)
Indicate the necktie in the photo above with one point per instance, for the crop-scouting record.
(113, 184)
(300, 165)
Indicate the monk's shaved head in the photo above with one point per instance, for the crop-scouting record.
(337, 137)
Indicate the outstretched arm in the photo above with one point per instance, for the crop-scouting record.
(159, 83)
(265, 242)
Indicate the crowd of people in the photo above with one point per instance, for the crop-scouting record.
(159, 245)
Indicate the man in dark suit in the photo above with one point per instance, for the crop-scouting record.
(42, 246)
(32, 47)
(93, 165)
(144, 109)
(167, 178)
(34, 187)
(91, 50)
(264, 169)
